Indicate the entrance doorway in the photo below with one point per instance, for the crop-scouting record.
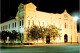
(48, 39)
(65, 38)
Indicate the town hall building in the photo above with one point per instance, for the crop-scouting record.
(63, 21)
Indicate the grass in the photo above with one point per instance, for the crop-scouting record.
(44, 49)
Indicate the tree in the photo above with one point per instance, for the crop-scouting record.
(4, 35)
(21, 6)
(40, 32)
(20, 36)
(52, 31)
(20, 12)
(13, 36)
(35, 32)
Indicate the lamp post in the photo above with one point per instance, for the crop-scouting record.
(76, 18)
(8, 40)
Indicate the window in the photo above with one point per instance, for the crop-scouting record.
(39, 23)
(32, 22)
(15, 24)
(60, 25)
(28, 37)
(28, 22)
(65, 25)
(47, 23)
(71, 26)
(6, 26)
(22, 22)
(59, 18)
(65, 15)
(12, 25)
(9, 26)
(1, 28)
(43, 24)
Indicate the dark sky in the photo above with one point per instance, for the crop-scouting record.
(10, 7)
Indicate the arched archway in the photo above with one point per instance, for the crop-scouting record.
(48, 39)
(65, 38)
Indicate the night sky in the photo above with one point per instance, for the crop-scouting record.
(9, 8)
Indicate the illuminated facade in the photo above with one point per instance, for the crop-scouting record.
(13, 25)
(64, 21)
(78, 37)
(33, 17)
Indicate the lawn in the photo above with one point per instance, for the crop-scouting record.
(44, 49)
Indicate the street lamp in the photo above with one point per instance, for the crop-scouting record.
(76, 18)
(8, 40)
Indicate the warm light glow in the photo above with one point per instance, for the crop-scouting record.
(76, 18)
(17, 17)
(57, 38)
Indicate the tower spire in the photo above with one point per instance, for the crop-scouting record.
(65, 10)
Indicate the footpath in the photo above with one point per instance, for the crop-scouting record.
(4, 46)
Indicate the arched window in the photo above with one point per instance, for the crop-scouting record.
(47, 23)
(9, 26)
(20, 23)
(6, 26)
(12, 25)
(1, 28)
(71, 26)
(28, 22)
(15, 24)
(65, 25)
(39, 23)
(60, 25)
(32, 22)
(43, 24)
(28, 37)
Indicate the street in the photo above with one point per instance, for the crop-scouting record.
(44, 49)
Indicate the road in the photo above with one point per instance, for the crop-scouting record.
(44, 49)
